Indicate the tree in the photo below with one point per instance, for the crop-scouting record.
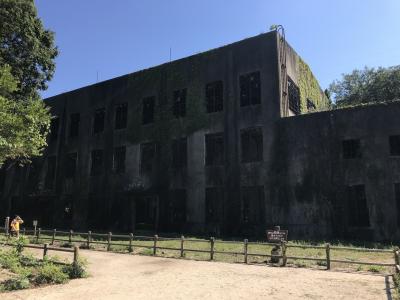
(27, 54)
(26, 47)
(367, 85)
(24, 124)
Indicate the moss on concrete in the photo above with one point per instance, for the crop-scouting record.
(310, 89)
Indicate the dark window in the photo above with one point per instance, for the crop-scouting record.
(70, 164)
(54, 124)
(294, 97)
(147, 157)
(97, 162)
(214, 149)
(51, 172)
(214, 97)
(98, 123)
(394, 142)
(74, 120)
(358, 210)
(214, 204)
(250, 89)
(148, 110)
(252, 204)
(351, 149)
(121, 115)
(179, 153)
(119, 159)
(397, 199)
(177, 207)
(252, 144)
(310, 105)
(179, 108)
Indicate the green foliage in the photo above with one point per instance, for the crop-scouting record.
(367, 86)
(50, 273)
(76, 270)
(20, 244)
(9, 259)
(310, 89)
(24, 124)
(18, 283)
(26, 46)
(375, 269)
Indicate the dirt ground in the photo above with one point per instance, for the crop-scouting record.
(123, 276)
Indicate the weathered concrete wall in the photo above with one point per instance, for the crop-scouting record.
(309, 176)
(97, 195)
(300, 180)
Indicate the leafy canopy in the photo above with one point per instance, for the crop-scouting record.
(24, 124)
(26, 46)
(366, 86)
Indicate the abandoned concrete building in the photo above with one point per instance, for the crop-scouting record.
(227, 142)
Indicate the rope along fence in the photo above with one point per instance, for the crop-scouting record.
(204, 246)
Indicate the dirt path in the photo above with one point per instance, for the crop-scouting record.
(122, 276)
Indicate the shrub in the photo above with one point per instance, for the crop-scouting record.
(9, 260)
(76, 270)
(29, 261)
(375, 269)
(18, 283)
(50, 273)
(20, 244)
(67, 245)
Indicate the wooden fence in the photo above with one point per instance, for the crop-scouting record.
(46, 248)
(54, 235)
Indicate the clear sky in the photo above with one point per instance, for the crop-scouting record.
(108, 38)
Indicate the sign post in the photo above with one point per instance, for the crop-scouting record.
(35, 223)
(278, 237)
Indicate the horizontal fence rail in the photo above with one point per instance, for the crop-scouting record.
(130, 241)
(46, 249)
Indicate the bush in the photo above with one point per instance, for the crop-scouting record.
(9, 260)
(76, 270)
(50, 273)
(12, 284)
(20, 244)
(29, 261)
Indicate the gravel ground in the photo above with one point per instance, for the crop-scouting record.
(123, 276)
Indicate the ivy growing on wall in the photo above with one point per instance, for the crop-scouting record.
(310, 89)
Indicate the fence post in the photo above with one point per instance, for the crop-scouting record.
(45, 249)
(7, 225)
(76, 254)
(89, 237)
(396, 258)
(284, 259)
(212, 240)
(24, 232)
(38, 236)
(155, 245)
(53, 237)
(70, 236)
(109, 241)
(130, 249)
(182, 241)
(328, 257)
(245, 246)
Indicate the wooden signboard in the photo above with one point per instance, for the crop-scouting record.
(277, 236)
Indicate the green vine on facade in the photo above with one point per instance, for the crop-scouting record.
(310, 89)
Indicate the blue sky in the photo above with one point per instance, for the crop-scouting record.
(104, 39)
